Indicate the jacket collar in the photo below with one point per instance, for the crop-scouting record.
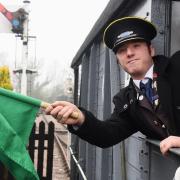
(160, 64)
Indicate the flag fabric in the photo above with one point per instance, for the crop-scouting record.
(17, 116)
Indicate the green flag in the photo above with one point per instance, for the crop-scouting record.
(17, 115)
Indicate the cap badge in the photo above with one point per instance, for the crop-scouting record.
(125, 34)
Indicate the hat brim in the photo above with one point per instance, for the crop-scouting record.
(115, 49)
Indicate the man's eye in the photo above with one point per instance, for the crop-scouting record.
(121, 50)
(136, 45)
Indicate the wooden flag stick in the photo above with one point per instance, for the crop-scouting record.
(74, 114)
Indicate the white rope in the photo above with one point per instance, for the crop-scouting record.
(77, 164)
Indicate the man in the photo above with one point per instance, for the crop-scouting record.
(151, 101)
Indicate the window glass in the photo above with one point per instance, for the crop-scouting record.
(175, 27)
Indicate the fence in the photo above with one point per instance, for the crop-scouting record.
(41, 145)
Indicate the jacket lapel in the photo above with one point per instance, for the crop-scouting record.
(164, 88)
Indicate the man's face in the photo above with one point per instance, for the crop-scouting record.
(135, 57)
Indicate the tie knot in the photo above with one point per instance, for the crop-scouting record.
(146, 83)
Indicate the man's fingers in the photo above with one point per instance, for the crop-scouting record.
(74, 114)
(48, 109)
(62, 114)
(56, 111)
(163, 148)
(65, 112)
(60, 103)
(165, 145)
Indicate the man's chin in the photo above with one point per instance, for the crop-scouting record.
(135, 75)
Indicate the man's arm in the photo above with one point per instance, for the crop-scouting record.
(97, 132)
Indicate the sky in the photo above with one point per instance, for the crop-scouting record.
(64, 25)
(60, 28)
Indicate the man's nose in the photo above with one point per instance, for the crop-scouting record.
(130, 51)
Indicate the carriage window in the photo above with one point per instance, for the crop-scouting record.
(175, 27)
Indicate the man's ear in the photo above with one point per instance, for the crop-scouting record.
(152, 51)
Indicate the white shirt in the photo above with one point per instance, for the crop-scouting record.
(149, 75)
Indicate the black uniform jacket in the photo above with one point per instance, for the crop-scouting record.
(127, 118)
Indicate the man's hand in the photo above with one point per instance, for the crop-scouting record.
(63, 111)
(166, 144)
